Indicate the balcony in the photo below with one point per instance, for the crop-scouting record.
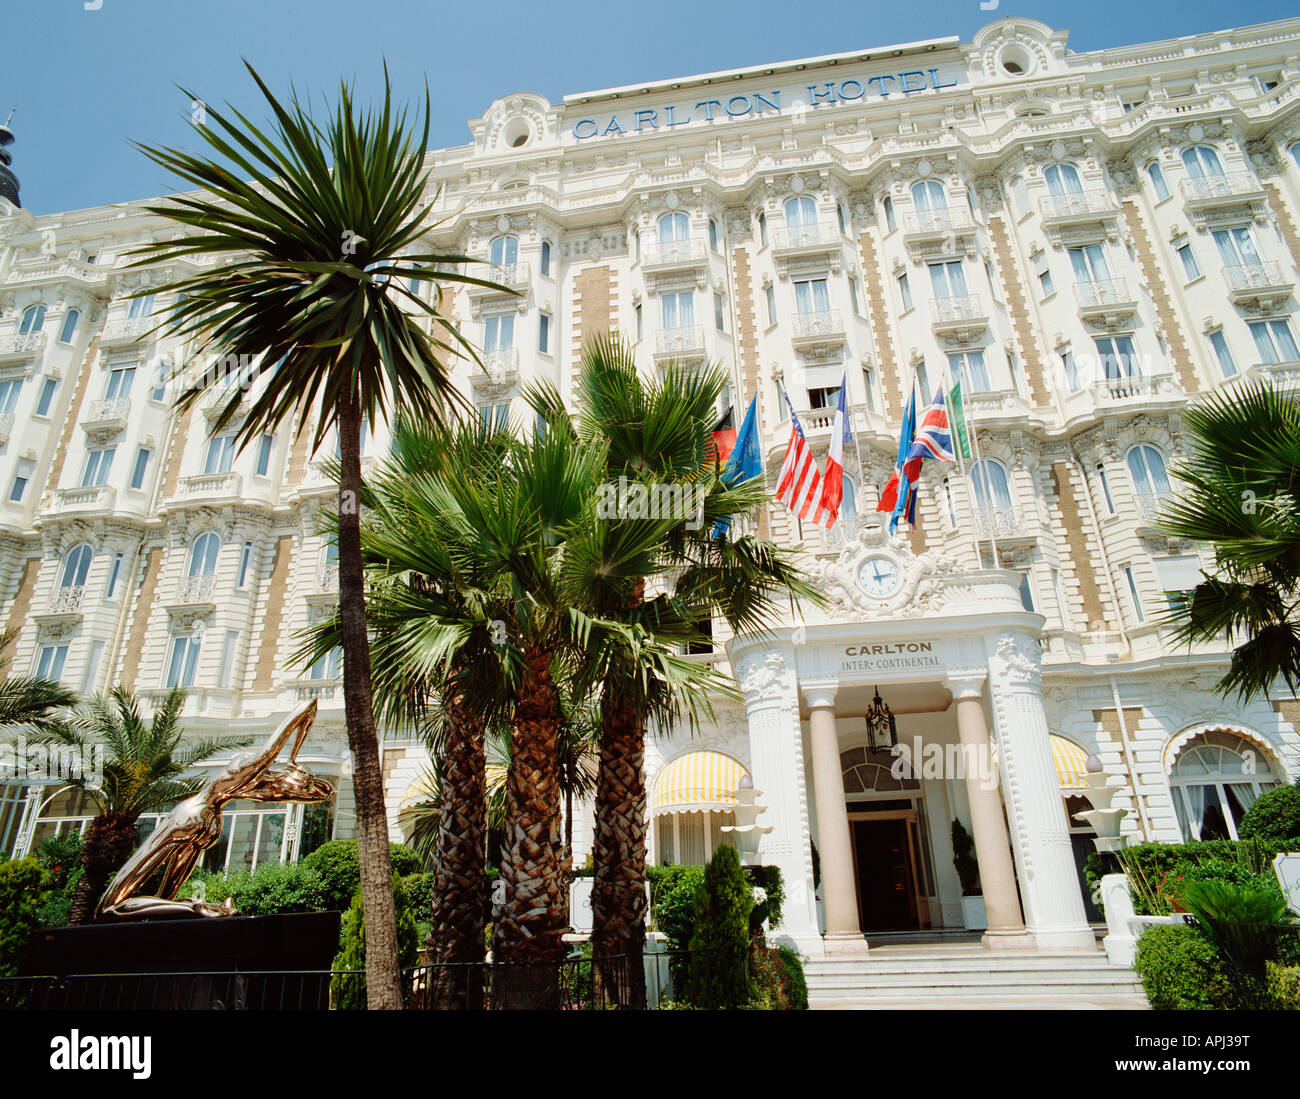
(1148, 505)
(679, 343)
(1212, 197)
(22, 346)
(939, 232)
(797, 247)
(959, 319)
(1001, 522)
(1259, 287)
(195, 590)
(988, 405)
(222, 485)
(500, 367)
(327, 579)
(1106, 302)
(6, 426)
(666, 255)
(107, 416)
(125, 330)
(817, 329)
(1135, 387)
(515, 277)
(63, 610)
(1092, 211)
(88, 498)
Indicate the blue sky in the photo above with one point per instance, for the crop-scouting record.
(87, 82)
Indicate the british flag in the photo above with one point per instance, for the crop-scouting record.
(798, 485)
(933, 439)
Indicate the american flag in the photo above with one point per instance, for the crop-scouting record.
(798, 485)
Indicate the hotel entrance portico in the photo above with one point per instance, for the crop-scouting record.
(957, 658)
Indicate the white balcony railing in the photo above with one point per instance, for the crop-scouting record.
(672, 253)
(195, 589)
(998, 522)
(91, 497)
(816, 419)
(1103, 294)
(211, 484)
(1229, 187)
(1077, 205)
(327, 579)
(28, 343)
(1266, 275)
(513, 275)
(812, 326)
(1134, 386)
(796, 238)
(961, 308)
(111, 410)
(1148, 505)
(67, 600)
(502, 365)
(946, 220)
(6, 426)
(127, 329)
(679, 341)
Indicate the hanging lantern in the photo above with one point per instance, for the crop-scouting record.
(882, 732)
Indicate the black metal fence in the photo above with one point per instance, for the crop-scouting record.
(575, 984)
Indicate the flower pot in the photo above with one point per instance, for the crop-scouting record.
(973, 915)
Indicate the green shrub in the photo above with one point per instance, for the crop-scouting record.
(1181, 971)
(338, 865)
(348, 989)
(778, 976)
(22, 896)
(964, 861)
(719, 966)
(1148, 865)
(1241, 923)
(768, 910)
(672, 909)
(1275, 818)
(270, 889)
(60, 860)
(1284, 986)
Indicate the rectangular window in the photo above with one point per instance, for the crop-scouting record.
(50, 661)
(120, 380)
(812, 296)
(823, 396)
(891, 223)
(494, 415)
(91, 669)
(1118, 357)
(1104, 482)
(923, 378)
(1133, 593)
(1157, 177)
(22, 476)
(970, 366)
(1026, 591)
(905, 291)
(499, 332)
(245, 559)
(1219, 344)
(1013, 371)
(49, 387)
(993, 282)
(221, 454)
(1274, 341)
(853, 296)
(184, 661)
(327, 667)
(719, 312)
(1045, 281)
(1061, 608)
(9, 392)
(762, 231)
(140, 307)
(114, 574)
(869, 382)
(677, 310)
(228, 650)
(640, 326)
(713, 235)
(141, 466)
(1089, 263)
(98, 463)
(1190, 267)
(265, 445)
(769, 293)
(544, 333)
(948, 280)
(69, 328)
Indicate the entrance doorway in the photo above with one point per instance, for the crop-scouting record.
(885, 855)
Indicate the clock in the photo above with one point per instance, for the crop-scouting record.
(879, 576)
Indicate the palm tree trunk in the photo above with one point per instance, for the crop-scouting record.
(460, 879)
(383, 979)
(618, 901)
(108, 843)
(530, 929)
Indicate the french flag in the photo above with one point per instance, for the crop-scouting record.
(828, 511)
(933, 439)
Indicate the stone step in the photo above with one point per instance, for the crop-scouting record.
(1017, 1002)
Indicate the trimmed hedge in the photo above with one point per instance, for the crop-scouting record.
(267, 891)
(1181, 971)
(1275, 818)
(1284, 986)
(339, 867)
(719, 963)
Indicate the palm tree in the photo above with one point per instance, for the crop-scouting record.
(1240, 492)
(316, 229)
(143, 772)
(30, 700)
(660, 431)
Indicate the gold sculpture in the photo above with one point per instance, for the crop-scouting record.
(194, 825)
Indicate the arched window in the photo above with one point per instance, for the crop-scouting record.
(33, 320)
(674, 227)
(992, 487)
(546, 257)
(1146, 465)
(69, 328)
(1063, 179)
(76, 565)
(504, 252)
(1157, 176)
(203, 554)
(800, 212)
(1215, 779)
(929, 195)
(1202, 161)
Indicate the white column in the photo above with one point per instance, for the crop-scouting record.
(839, 883)
(767, 679)
(1049, 885)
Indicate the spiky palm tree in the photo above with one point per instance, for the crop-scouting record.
(1240, 492)
(659, 431)
(29, 700)
(144, 771)
(316, 230)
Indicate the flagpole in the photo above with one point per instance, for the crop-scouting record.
(961, 462)
(988, 496)
(857, 446)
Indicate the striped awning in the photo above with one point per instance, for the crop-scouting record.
(698, 782)
(1071, 764)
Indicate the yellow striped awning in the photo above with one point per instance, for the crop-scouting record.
(1071, 764)
(698, 782)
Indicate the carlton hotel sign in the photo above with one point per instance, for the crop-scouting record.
(759, 104)
(903, 656)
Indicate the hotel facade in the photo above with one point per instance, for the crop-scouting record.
(1091, 241)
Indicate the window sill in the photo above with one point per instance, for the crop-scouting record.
(1193, 282)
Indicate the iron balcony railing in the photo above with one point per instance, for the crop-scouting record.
(1077, 204)
(109, 410)
(67, 600)
(813, 325)
(23, 344)
(945, 220)
(671, 253)
(961, 307)
(997, 522)
(195, 589)
(1230, 185)
(794, 238)
(677, 341)
(1103, 293)
(1254, 276)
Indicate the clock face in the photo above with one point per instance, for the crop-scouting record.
(879, 576)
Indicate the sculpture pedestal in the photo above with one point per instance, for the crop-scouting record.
(231, 962)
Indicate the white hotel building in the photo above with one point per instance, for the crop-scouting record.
(1094, 239)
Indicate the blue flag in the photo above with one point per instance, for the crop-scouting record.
(745, 460)
(905, 504)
